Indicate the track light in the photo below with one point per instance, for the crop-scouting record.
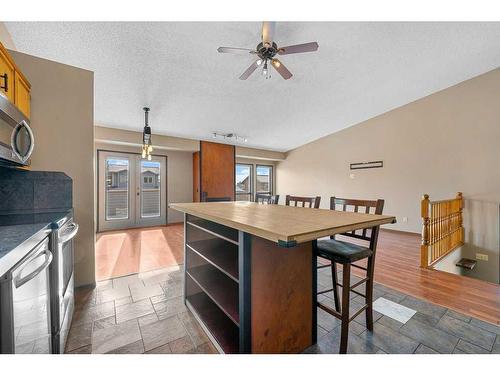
(229, 137)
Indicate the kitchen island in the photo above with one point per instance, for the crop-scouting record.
(250, 271)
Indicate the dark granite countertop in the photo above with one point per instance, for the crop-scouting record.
(19, 233)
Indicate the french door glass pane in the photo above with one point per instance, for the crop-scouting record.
(264, 179)
(243, 182)
(117, 186)
(150, 189)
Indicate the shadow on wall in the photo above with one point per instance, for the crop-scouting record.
(482, 237)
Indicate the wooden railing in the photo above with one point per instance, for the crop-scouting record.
(442, 229)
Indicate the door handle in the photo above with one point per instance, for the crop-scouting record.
(20, 281)
(71, 234)
(6, 82)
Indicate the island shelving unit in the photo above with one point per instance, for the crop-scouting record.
(212, 281)
(250, 271)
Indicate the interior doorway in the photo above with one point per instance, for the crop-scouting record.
(132, 191)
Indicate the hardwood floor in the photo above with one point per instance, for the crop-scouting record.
(397, 266)
(124, 252)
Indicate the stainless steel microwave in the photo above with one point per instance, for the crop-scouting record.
(16, 138)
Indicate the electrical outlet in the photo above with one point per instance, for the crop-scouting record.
(480, 256)
(405, 219)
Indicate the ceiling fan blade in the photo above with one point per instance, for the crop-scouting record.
(281, 69)
(268, 31)
(239, 51)
(251, 69)
(299, 48)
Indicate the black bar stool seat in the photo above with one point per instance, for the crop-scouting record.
(342, 252)
(347, 253)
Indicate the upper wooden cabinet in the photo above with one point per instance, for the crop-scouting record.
(22, 94)
(13, 84)
(6, 75)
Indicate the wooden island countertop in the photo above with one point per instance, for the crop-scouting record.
(282, 224)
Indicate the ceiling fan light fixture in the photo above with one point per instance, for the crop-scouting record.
(266, 51)
(147, 145)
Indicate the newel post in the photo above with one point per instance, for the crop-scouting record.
(424, 248)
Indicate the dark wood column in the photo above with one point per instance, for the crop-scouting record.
(217, 169)
(283, 311)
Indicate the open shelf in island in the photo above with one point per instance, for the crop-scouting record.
(218, 325)
(219, 288)
(221, 254)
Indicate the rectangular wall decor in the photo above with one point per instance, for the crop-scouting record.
(367, 165)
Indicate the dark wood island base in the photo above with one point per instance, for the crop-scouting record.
(250, 271)
(250, 294)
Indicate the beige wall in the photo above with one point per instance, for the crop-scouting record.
(62, 117)
(6, 38)
(179, 174)
(256, 154)
(441, 144)
(122, 137)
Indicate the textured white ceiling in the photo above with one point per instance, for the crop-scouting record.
(361, 70)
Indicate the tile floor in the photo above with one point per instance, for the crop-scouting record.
(141, 313)
(145, 313)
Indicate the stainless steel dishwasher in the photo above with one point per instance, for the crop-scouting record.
(26, 304)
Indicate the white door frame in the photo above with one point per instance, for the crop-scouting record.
(134, 218)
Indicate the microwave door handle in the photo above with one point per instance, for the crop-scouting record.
(20, 281)
(71, 234)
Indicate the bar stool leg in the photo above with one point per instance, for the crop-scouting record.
(369, 293)
(346, 288)
(335, 286)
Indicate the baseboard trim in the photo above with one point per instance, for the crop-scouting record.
(399, 231)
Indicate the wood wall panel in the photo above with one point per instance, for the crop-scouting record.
(217, 169)
(196, 176)
(282, 297)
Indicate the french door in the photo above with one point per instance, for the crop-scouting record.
(132, 191)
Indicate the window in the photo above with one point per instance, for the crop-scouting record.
(117, 171)
(244, 182)
(264, 179)
(148, 180)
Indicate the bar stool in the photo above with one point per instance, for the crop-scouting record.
(346, 253)
(267, 198)
(311, 202)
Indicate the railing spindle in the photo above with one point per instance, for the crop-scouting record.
(442, 228)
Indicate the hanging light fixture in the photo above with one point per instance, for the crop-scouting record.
(147, 146)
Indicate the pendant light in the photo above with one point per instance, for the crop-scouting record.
(147, 146)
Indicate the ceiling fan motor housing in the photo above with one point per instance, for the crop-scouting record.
(266, 51)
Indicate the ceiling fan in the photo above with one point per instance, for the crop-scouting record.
(266, 52)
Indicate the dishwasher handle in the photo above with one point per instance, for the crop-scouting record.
(20, 281)
(69, 236)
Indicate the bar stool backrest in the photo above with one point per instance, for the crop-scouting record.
(294, 200)
(367, 207)
(266, 198)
